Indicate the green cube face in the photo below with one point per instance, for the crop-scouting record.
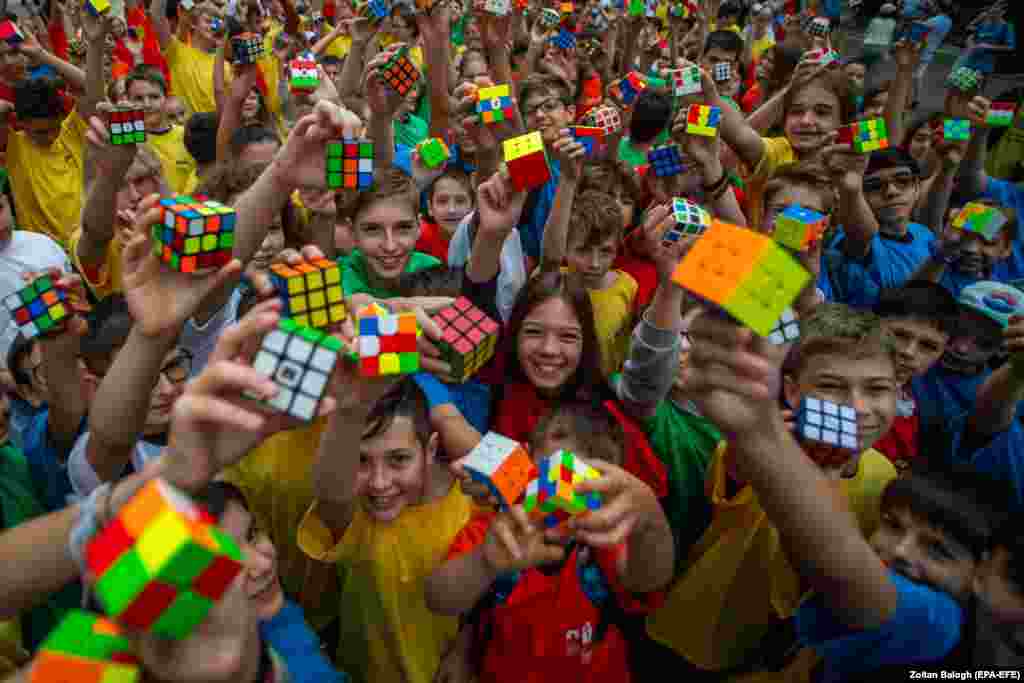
(182, 617)
(75, 636)
(335, 149)
(333, 164)
(226, 543)
(121, 583)
(175, 261)
(408, 362)
(44, 322)
(227, 240)
(185, 565)
(43, 283)
(334, 180)
(366, 150)
(28, 294)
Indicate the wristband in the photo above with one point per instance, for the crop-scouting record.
(92, 515)
(939, 255)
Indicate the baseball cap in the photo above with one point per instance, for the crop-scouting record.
(995, 300)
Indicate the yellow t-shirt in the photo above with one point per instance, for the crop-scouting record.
(47, 182)
(777, 153)
(738, 577)
(387, 632)
(106, 279)
(613, 318)
(177, 163)
(12, 654)
(758, 47)
(192, 75)
(341, 45)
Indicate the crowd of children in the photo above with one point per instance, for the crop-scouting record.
(727, 545)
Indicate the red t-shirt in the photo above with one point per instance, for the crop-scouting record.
(544, 630)
(432, 241)
(751, 99)
(900, 443)
(642, 269)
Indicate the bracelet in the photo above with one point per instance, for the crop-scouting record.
(93, 514)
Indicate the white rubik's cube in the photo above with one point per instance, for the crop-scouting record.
(300, 361)
(498, 7)
(787, 330)
(690, 219)
(824, 422)
(820, 27)
(722, 72)
(503, 465)
(686, 81)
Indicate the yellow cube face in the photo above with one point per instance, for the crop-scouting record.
(296, 285)
(332, 276)
(317, 299)
(162, 540)
(120, 673)
(315, 280)
(338, 313)
(523, 145)
(494, 92)
(301, 320)
(319, 318)
(334, 295)
(299, 304)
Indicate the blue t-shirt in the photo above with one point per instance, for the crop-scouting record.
(1002, 457)
(531, 225)
(942, 396)
(1001, 33)
(48, 467)
(291, 638)
(890, 263)
(925, 627)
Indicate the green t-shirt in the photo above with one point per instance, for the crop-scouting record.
(633, 156)
(411, 132)
(355, 279)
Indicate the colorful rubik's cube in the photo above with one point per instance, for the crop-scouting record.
(984, 220)
(564, 39)
(498, 7)
(956, 129)
(964, 79)
(521, 5)
(503, 465)
(350, 164)
(823, 422)
(690, 219)
(549, 18)
(10, 33)
(703, 119)
(527, 161)
(400, 73)
(798, 228)
(375, 10)
(821, 56)
(97, 8)
(387, 342)
(745, 273)
(686, 81)
(310, 291)
(300, 361)
(127, 125)
(85, 648)
(1000, 114)
(566, 8)
(588, 136)
(604, 117)
(787, 330)
(865, 136)
(246, 48)
(39, 308)
(433, 152)
(494, 103)
(636, 8)
(303, 76)
(195, 233)
(722, 72)
(551, 498)
(820, 27)
(666, 160)
(468, 337)
(162, 563)
(627, 89)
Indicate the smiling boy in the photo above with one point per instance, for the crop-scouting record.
(147, 89)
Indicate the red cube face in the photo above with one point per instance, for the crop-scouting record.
(107, 547)
(148, 606)
(216, 578)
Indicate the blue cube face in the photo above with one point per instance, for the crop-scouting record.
(368, 327)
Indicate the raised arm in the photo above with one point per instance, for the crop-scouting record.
(435, 33)
(733, 127)
(95, 32)
(569, 154)
(855, 214)
(363, 30)
(161, 24)
(973, 178)
(499, 207)
(71, 74)
(907, 56)
(995, 405)
(230, 106)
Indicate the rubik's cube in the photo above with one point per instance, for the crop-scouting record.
(819, 26)
(10, 33)
(1000, 114)
(722, 72)
(787, 330)
(375, 10)
(527, 161)
(300, 361)
(387, 342)
(503, 465)
(494, 103)
(823, 422)
(521, 5)
(194, 234)
(85, 648)
(604, 117)
(303, 75)
(964, 79)
(564, 39)
(566, 8)
(798, 228)
(498, 7)
(433, 152)
(637, 8)
(666, 160)
(310, 291)
(400, 73)
(246, 48)
(162, 563)
(690, 219)
(39, 308)
(350, 164)
(686, 81)
(821, 56)
(984, 220)
(703, 119)
(956, 129)
(745, 273)
(551, 498)
(97, 8)
(127, 126)
(549, 18)
(468, 337)
(628, 88)
(588, 136)
(865, 136)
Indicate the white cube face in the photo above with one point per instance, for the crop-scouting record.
(282, 400)
(288, 374)
(265, 363)
(314, 383)
(369, 347)
(366, 165)
(299, 350)
(323, 360)
(196, 227)
(387, 325)
(275, 341)
(303, 407)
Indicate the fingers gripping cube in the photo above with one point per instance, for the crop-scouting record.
(127, 125)
(494, 103)
(303, 75)
(246, 48)
(387, 342)
(627, 89)
(468, 337)
(820, 27)
(503, 465)
(195, 234)
(310, 291)
(400, 72)
(564, 39)
(350, 164)
(39, 308)
(527, 161)
(826, 423)
(85, 648)
(689, 219)
(865, 136)
(798, 228)
(10, 33)
(300, 360)
(97, 8)
(588, 136)
(964, 79)
(551, 498)
(162, 563)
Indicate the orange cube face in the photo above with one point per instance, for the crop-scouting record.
(513, 476)
(719, 262)
(407, 324)
(141, 510)
(50, 667)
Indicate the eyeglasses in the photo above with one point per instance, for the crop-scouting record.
(901, 183)
(178, 368)
(548, 106)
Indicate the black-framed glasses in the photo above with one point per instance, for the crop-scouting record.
(548, 106)
(902, 183)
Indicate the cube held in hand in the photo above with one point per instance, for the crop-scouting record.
(821, 422)
(964, 78)
(551, 498)
(11, 34)
(39, 308)
(350, 164)
(246, 48)
(494, 103)
(956, 129)
(85, 648)
(498, 8)
(588, 136)
(400, 72)
(982, 219)
(787, 330)
(549, 18)
(564, 39)
(819, 27)
(300, 360)
(468, 337)
(303, 75)
(628, 88)
(798, 228)
(702, 119)
(605, 117)
(527, 161)
(387, 342)
(865, 136)
(689, 219)
(1000, 114)
(433, 152)
(310, 291)
(503, 465)
(666, 160)
(686, 81)
(126, 125)
(195, 233)
(162, 563)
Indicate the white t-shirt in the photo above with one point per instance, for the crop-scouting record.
(511, 277)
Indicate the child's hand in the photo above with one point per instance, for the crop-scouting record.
(515, 543)
(301, 162)
(107, 160)
(65, 338)
(844, 165)
(383, 100)
(628, 505)
(430, 354)
(977, 111)
(570, 155)
(499, 206)
(907, 54)
(476, 490)
(665, 257)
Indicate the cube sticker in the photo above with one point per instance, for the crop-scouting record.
(469, 337)
(503, 465)
(826, 423)
(387, 342)
(126, 125)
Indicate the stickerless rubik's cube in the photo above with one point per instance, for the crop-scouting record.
(387, 342)
(964, 79)
(1000, 115)
(310, 291)
(722, 72)
(798, 228)
(127, 125)
(433, 152)
(503, 465)
(194, 234)
(85, 648)
(400, 73)
(689, 219)
(39, 308)
(823, 422)
(628, 88)
(97, 8)
(551, 498)
(564, 39)
(300, 361)
(702, 119)
(984, 220)
(527, 161)
(549, 18)
(494, 103)
(865, 136)
(468, 337)
(743, 272)
(666, 160)
(588, 136)
(686, 81)
(956, 129)
(162, 563)
(350, 164)
(303, 75)
(787, 330)
(375, 10)
(10, 33)
(246, 48)
(819, 26)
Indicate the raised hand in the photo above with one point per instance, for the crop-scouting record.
(515, 543)
(570, 154)
(107, 160)
(846, 166)
(977, 111)
(499, 207)
(300, 163)
(628, 504)
(383, 100)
